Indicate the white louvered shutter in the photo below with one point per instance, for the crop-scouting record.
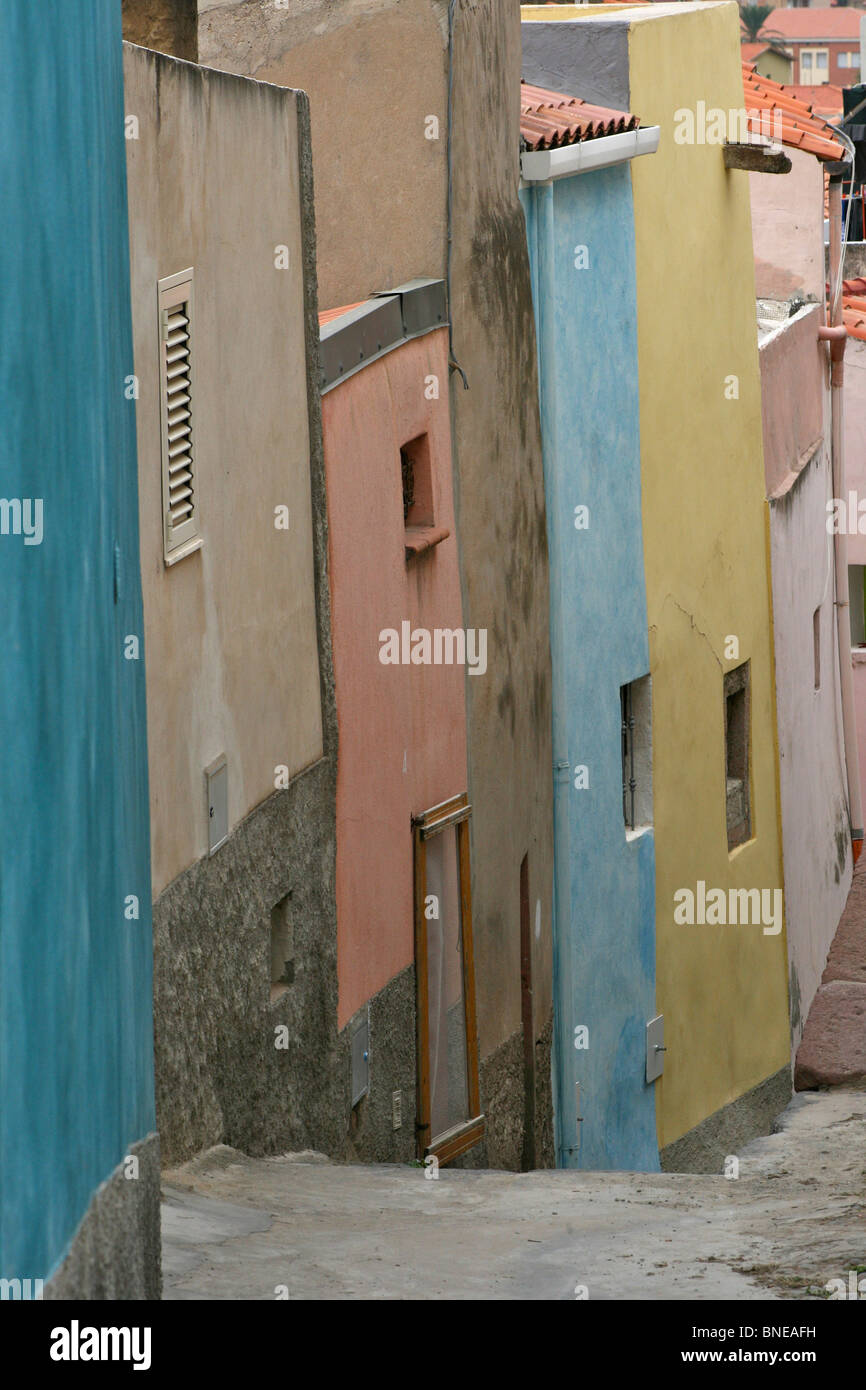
(177, 397)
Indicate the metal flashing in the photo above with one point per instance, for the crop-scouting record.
(363, 334)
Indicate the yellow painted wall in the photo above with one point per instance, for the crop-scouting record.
(775, 66)
(723, 990)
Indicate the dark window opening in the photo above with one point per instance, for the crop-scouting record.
(636, 736)
(738, 810)
(282, 948)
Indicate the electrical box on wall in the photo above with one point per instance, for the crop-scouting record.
(361, 1060)
(217, 792)
(655, 1048)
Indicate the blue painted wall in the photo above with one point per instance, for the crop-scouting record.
(604, 889)
(76, 1050)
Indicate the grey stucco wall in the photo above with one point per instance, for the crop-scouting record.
(579, 60)
(503, 545)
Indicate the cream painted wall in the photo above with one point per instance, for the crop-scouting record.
(722, 990)
(230, 632)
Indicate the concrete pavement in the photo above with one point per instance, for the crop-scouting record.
(300, 1226)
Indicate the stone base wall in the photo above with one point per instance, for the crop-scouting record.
(115, 1253)
(705, 1148)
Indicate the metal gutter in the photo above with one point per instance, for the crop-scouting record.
(540, 166)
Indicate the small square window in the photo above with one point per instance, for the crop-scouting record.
(419, 512)
(737, 789)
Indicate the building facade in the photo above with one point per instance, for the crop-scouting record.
(721, 989)
(580, 230)
(79, 1212)
(369, 236)
(234, 565)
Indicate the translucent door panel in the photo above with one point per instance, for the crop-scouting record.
(449, 1089)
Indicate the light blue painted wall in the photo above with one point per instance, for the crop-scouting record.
(76, 1050)
(604, 889)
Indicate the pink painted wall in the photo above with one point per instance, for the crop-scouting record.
(795, 404)
(788, 229)
(402, 729)
(793, 372)
(854, 418)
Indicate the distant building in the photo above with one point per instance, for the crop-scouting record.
(824, 41)
(770, 60)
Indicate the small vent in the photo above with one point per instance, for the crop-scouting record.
(178, 444)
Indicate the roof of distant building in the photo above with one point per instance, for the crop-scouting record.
(825, 100)
(802, 128)
(549, 120)
(749, 52)
(833, 22)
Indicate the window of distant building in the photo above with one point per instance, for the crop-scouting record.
(814, 66)
(738, 807)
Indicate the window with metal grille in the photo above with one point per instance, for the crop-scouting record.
(177, 403)
(738, 800)
(636, 735)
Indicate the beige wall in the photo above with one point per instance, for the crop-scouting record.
(230, 631)
(373, 73)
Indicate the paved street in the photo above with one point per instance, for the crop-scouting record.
(239, 1228)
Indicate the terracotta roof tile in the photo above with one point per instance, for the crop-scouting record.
(549, 119)
(802, 129)
(825, 100)
(327, 314)
(854, 307)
